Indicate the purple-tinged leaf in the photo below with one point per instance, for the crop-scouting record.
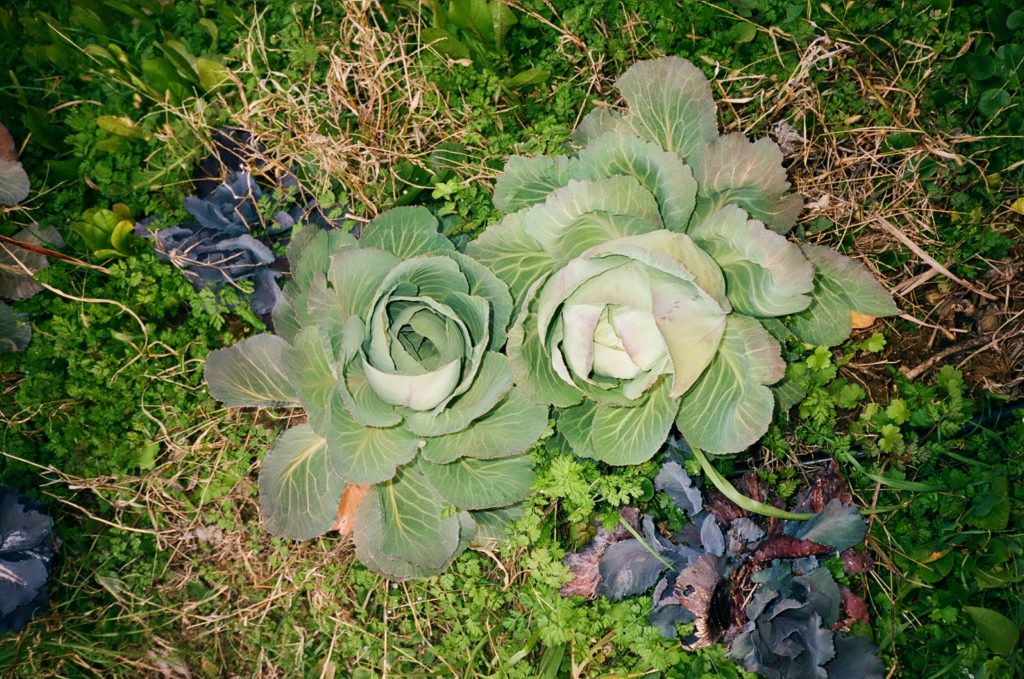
(628, 568)
(839, 526)
(855, 659)
(711, 536)
(673, 480)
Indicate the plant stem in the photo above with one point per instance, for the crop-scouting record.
(729, 490)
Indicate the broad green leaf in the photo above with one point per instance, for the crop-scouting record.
(553, 222)
(527, 181)
(326, 308)
(481, 484)
(767, 275)
(512, 254)
(997, 631)
(597, 122)
(841, 285)
(511, 428)
(483, 283)
(624, 436)
(660, 172)
(492, 524)
(368, 454)
(670, 104)
(490, 384)
(729, 408)
(290, 313)
(369, 532)
(356, 275)
(311, 250)
(576, 424)
(749, 174)
(312, 372)
(300, 485)
(251, 373)
(405, 232)
(413, 526)
(532, 369)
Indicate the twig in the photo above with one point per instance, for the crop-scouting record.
(924, 367)
(40, 250)
(928, 259)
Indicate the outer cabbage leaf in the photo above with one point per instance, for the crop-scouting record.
(750, 174)
(527, 181)
(729, 408)
(841, 285)
(597, 122)
(660, 172)
(480, 484)
(510, 429)
(368, 540)
(670, 103)
(405, 232)
(555, 223)
(404, 519)
(300, 485)
(622, 436)
(767, 275)
(251, 373)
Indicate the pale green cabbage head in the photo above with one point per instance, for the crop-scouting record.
(645, 267)
(391, 344)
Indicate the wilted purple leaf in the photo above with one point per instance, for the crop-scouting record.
(583, 565)
(742, 534)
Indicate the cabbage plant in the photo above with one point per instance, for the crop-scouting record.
(644, 266)
(391, 346)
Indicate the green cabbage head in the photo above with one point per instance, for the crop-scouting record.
(644, 269)
(391, 346)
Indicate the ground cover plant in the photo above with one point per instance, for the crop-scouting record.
(898, 125)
